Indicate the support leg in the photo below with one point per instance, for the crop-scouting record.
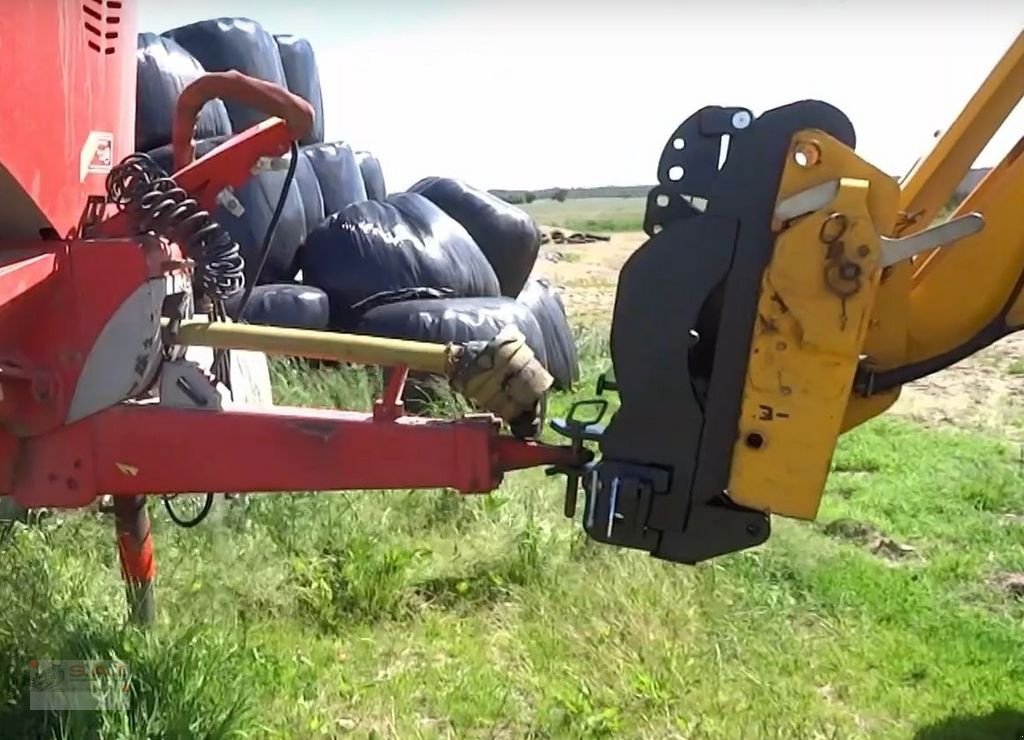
(138, 565)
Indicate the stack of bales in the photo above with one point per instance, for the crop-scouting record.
(443, 261)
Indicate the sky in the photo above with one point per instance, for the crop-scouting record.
(567, 93)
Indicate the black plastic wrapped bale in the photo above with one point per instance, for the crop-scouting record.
(258, 197)
(373, 176)
(341, 180)
(442, 320)
(290, 306)
(453, 320)
(403, 242)
(508, 236)
(312, 203)
(546, 305)
(163, 69)
(308, 186)
(303, 78)
(221, 44)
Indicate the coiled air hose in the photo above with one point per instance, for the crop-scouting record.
(139, 186)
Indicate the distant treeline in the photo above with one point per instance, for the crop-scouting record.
(605, 191)
(634, 191)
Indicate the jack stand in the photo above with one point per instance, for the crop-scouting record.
(138, 565)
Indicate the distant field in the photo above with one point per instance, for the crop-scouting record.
(590, 214)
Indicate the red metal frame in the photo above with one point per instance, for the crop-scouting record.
(229, 165)
(60, 297)
(57, 297)
(68, 102)
(129, 450)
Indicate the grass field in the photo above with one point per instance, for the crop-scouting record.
(600, 215)
(410, 614)
(590, 214)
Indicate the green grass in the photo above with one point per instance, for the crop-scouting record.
(600, 215)
(421, 614)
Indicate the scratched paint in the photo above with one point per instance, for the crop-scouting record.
(322, 430)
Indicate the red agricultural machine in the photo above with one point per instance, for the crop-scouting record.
(767, 313)
(105, 259)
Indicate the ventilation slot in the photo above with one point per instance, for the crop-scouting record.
(100, 24)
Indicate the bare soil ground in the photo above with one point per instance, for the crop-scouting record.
(984, 392)
(587, 273)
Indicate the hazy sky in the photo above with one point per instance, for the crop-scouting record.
(572, 93)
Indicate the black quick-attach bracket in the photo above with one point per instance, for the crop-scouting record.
(689, 165)
(685, 311)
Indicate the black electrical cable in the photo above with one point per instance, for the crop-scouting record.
(194, 521)
(222, 359)
(271, 229)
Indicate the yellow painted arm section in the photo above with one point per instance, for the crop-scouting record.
(932, 182)
(947, 303)
(814, 312)
(361, 350)
(962, 289)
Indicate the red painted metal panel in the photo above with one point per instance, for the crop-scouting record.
(47, 331)
(67, 99)
(149, 449)
(161, 450)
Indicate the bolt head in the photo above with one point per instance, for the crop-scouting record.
(740, 119)
(849, 271)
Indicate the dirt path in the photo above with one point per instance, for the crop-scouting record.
(984, 392)
(587, 273)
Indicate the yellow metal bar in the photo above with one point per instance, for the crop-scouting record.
(361, 350)
(939, 302)
(934, 179)
(977, 201)
(968, 284)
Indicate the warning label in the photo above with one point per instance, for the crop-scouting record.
(97, 154)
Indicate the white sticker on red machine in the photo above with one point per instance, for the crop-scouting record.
(97, 155)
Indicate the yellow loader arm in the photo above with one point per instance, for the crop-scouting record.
(787, 291)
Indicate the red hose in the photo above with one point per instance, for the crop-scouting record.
(260, 94)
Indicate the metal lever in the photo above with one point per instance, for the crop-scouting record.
(578, 429)
(940, 235)
(605, 383)
(807, 201)
(893, 250)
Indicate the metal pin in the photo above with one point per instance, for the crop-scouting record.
(612, 515)
(590, 499)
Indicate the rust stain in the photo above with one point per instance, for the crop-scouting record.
(777, 300)
(767, 324)
(322, 430)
